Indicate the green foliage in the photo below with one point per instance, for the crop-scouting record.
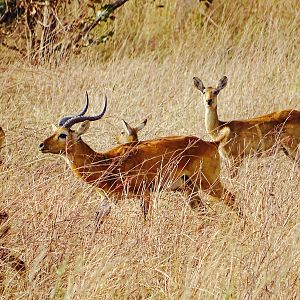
(59, 290)
(2, 7)
(10, 10)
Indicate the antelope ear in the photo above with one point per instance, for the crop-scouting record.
(222, 83)
(84, 126)
(199, 84)
(127, 127)
(54, 127)
(142, 125)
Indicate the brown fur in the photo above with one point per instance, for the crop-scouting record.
(130, 135)
(261, 135)
(135, 168)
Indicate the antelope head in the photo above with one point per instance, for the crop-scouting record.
(129, 134)
(64, 137)
(210, 94)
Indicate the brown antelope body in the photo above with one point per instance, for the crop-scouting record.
(260, 135)
(129, 134)
(136, 168)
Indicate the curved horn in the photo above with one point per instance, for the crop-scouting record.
(86, 104)
(63, 120)
(78, 119)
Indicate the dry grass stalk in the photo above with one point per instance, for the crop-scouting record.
(180, 254)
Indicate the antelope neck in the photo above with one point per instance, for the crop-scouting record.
(212, 122)
(81, 155)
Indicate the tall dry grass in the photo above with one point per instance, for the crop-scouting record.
(148, 73)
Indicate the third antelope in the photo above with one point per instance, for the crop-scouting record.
(136, 168)
(260, 135)
(129, 134)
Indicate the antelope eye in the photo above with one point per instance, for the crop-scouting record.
(216, 92)
(62, 136)
(123, 132)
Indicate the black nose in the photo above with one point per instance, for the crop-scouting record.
(41, 146)
(209, 101)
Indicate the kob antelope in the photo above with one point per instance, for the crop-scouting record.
(129, 134)
(135, 168)
(260, 135)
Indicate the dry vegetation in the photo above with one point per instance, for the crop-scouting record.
(147, 72)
